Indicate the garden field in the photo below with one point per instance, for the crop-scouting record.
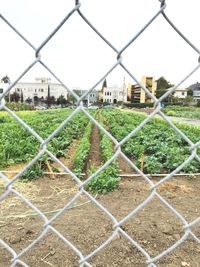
(155, 149)
(183, 111)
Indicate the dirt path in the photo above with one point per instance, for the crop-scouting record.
(94, 157)
(68, 159)
(124, 167)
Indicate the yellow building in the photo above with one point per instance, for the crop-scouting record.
(137, 95)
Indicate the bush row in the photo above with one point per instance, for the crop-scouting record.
(108, 179)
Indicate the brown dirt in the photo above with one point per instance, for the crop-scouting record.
(143, 110)
(68, 159)
(124, 167)
(155, 227)
(94, 157)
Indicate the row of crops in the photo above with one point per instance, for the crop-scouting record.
(162, 149)
(18, 145)
(108, 179)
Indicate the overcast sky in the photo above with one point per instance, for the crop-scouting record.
(80, 58)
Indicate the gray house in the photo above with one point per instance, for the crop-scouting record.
(195, 88)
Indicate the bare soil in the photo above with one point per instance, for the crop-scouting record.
(94, 158)
(155, 227)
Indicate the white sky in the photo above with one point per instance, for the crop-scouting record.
(80, 58)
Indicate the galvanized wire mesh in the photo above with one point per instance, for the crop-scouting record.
(84, 260)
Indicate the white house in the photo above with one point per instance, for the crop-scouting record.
(39, 89)
(180, 93)
(115, 94)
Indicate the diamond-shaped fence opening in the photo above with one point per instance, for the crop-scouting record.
(119, 136)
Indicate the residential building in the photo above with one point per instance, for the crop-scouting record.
(115, 94)
(90, 99)
(137, 94)
(180, 93)
(38, 90)
(195, 88)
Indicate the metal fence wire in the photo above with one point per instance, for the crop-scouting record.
(84, 260)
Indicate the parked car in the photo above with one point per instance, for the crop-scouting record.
(93, 107)
(40, 107)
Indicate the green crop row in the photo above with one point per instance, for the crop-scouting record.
(163, 148)
(18, 145)
(108, 179)
(82, 151)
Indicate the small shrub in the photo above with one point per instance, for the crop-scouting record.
(152, 165)
(82, 151)
(19, 106)
(171, 113)
(106, 181)
(34, 172)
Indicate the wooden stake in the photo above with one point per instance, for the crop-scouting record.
(50, 169)
(142, 163)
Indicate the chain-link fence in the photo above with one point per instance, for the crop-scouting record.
(84, 260)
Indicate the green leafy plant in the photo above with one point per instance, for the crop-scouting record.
(163, 148)
(34, 172)
(18, 145)
(106, 181)
(82, 151)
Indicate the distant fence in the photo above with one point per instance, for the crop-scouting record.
(117, 225)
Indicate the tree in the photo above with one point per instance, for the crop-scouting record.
(61, 101)
(162, 86)
(104, 85)
(22, 97)
(28, 100)
(48, 99)
(15, 97)
(190, 92)
(5, 79)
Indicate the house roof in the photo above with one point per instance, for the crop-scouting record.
(194, 87)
